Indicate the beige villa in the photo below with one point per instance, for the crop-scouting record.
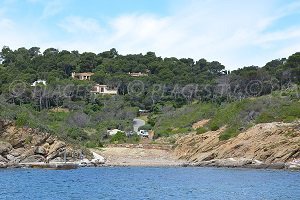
(104, 89)
(138, 74)
(82, 76)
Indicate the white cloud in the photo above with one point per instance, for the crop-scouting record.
(233, 32)
(52, 8)
(6, 24)
(279, 35)
(75, 24)
(15, 35)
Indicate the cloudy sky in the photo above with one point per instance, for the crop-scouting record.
(237, 33)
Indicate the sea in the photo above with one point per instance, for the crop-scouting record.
(149, 183)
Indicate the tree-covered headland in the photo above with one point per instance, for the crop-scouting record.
(174, 92)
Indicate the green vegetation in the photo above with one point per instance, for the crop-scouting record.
(236, 116)
(146, 127)
(177, 93)
(121, 137)
(180, 120)
(201, 130)
(86, 127)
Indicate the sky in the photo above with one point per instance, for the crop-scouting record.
(236, 33)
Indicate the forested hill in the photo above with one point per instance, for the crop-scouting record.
(53, 64)
(173, 74)
(194, 89)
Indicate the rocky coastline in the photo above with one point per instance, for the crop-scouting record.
(262, 147)
(26, 147)
(245, 163)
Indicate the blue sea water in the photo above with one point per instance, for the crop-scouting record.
(149, 183)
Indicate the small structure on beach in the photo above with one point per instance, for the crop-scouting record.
(82, 76)
(39, 82)
(114, 132)
(104, 89)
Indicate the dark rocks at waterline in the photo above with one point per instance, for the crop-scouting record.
(34, 159)
(244, 163)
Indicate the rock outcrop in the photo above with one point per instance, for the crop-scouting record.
(26, 145)
(275, 145)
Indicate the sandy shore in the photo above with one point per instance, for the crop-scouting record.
(122, 156)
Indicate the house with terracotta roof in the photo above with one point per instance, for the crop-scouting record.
(104, 89)
(82, 76)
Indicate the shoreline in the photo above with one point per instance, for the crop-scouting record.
(266, 167)
(180, 164)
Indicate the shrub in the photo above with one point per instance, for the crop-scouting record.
(93, 144)
(119, 137)
(183, 118)
(265, 117)
(201, 130)
(228, 133)
(77, 134)
(214, 127)
(133, 139)
(146, 127)
(28, 139)
(22, 119)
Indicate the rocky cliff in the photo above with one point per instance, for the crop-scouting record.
(275, 145)
(26, 145)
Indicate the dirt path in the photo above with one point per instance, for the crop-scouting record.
(122, 156)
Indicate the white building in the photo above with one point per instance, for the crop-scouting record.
(137, 74)
(82, 76)
(104, 89)
(41, 82)
(114, 132)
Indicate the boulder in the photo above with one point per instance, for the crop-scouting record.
(228, 162)
(40, 150)
(86, 163)
(34, 159)
(58, 159)
(3, 165)
(5, 147)
(50, 140)
(53, 155)
(18, 143)
(293, 166)
(55, 149)
(279, 165)
(2, 159)
(39, 139)
(27, 153)
(17, 152)
(46, 146)
(98, 160)
(57, 145)
(10, 157)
